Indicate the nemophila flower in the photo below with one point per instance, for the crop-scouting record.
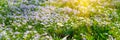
(3, 24)
(16, 32)
(24, 0)
(24, 21)
(16, 24)
(0, 35)
(26, 34)
(31, 6)
(67, 10)
(23, 6)
(49, 15)
(84, 39)
(76, 11)
(36, 37)
(98, 19)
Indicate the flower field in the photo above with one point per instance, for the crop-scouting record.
(59, 20)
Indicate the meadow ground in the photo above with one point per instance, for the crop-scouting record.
(59, 20)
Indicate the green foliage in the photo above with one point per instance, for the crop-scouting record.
(3, 7)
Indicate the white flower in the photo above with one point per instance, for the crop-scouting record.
(82, 18)
(3, 33)
(65, 0)
(35, 31)
(26, 33)
(65, 38)
(19, 25)
(74, 39)
(98, 19)
(0, 7)
(60, 24)
(110, 37)
(93, 10)
(67, 9)
(29, 26)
